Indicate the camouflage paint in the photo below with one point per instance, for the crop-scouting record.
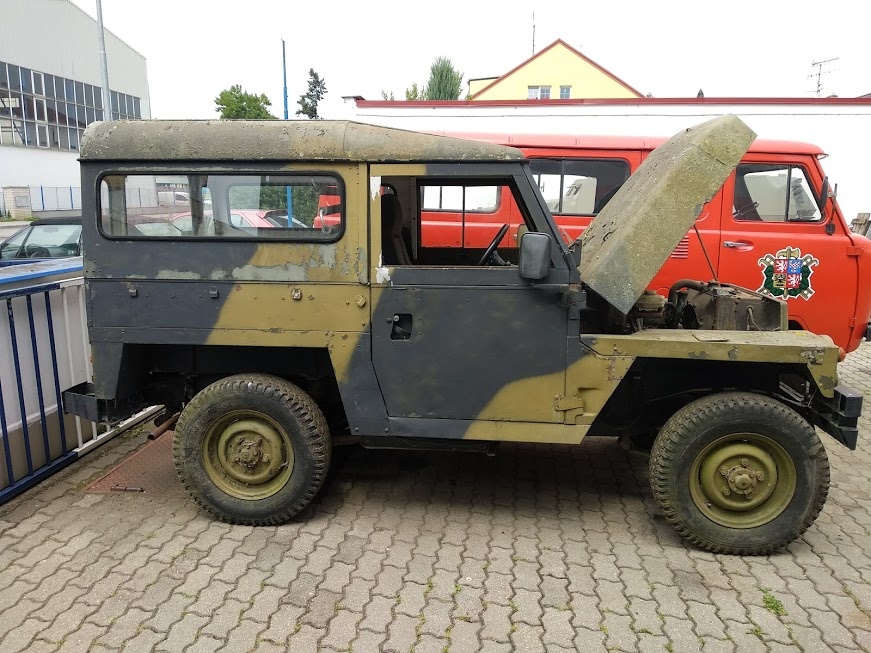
(507, 361)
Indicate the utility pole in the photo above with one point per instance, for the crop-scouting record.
(284, 71)
(286, 116)
(820, 72)
(104, 67)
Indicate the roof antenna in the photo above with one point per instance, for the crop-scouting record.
(533, 32)
(820, 72)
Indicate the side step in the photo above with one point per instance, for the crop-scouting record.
(428, 444)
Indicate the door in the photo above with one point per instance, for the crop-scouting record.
(456, 341)
(778, 242)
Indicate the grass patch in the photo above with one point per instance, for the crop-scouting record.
(773, 604)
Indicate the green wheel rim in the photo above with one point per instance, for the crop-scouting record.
(247, 455)
(742, 480)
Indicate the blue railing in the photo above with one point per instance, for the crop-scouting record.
(33, 427)
(44, 350)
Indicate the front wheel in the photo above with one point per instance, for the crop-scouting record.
(252, 449)
(739, 473)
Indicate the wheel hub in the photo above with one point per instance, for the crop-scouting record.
(248, 456)
(743, 480)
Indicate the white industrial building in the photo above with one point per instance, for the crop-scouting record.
(50, 90)
(838, 125)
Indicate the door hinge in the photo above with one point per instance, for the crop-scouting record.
(851, 322)
(852, 250)
(573, 407)
(562, 404)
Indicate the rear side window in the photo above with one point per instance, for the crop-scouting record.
(579, 186)
(773, 193)
(219, 206)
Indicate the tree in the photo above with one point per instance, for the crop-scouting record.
(445, 81)
(308, 101)
(384, 96)
(235, 104)
(414, 94)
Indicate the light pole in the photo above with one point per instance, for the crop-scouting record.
(104, 68)
(289, 189)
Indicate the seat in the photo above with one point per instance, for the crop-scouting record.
(393, 248)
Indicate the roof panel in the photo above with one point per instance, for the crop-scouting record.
(276, 140)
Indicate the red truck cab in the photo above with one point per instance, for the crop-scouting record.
(774, 226)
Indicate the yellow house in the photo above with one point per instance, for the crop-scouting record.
(558, 72)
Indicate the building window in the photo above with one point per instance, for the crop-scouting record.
(539, 93)
(48, 104)
(565, 92)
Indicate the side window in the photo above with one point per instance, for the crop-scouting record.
(246, 207)
(472, 199)
(457, 221)
(773, 193)
(579, 186)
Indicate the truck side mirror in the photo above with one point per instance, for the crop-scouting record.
(534, 259)
(824, 197)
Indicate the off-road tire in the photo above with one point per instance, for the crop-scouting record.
(702, 422)
(285, 403)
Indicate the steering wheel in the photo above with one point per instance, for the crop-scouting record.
(491, 248)
(37, 251)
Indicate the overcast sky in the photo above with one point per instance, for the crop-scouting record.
(671, 48)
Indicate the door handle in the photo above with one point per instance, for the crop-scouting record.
(737, 244)
(401, 324)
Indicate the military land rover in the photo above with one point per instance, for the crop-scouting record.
(290, 302)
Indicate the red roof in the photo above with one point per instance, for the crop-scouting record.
(574, 51)
(558, 141)
(866, 101)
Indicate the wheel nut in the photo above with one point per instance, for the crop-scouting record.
(760, 476)
(745, 462)
(727, 491)
(724, 471)
(265, 458)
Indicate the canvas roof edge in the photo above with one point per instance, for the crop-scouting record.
(276, 140)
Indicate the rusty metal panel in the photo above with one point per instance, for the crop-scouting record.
(629, 241)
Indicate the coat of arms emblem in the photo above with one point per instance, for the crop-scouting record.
(787, 274)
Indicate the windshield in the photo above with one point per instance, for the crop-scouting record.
(44, 241)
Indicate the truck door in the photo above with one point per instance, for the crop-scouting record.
(777, 241)
(457, 346)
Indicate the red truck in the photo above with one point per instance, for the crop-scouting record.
(774, 226)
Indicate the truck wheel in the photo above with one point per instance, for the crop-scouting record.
(252, 449)
(739, 473)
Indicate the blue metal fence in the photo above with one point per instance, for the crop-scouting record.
(42, 315)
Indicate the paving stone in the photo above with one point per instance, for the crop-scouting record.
(321, 608)
(342, 629)
(367, 641)
(225, 619)
(497, 623)
(540, 548)
(123, 628)
(144, 641)
(402, 634)
(183, 633)
(244, 636)
(20, 637)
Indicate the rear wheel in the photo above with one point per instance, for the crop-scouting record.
(252, 449)
(739, 473)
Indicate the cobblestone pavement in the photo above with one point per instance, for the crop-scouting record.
(539, 548)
